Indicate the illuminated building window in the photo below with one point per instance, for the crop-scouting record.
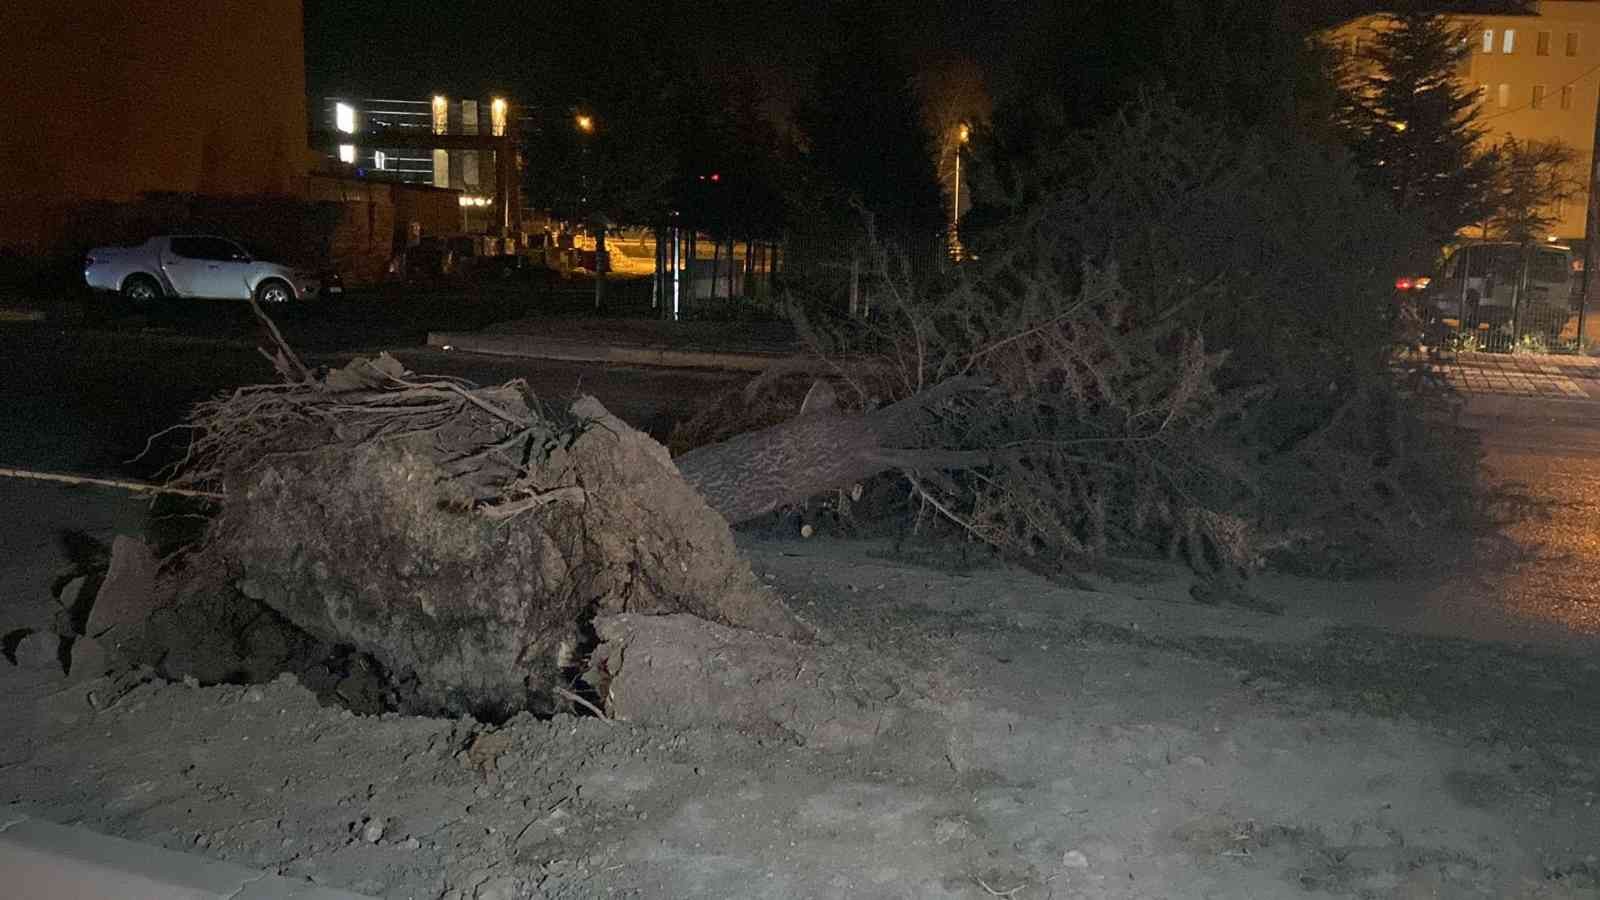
(469, 116)
(344, 118)
(1541, 46)
(497, 117)
(469, 168)
(1483, 94)
(347, 153)
(1538, 96)
(441, 115)
(379, 159)
(1508, 41)
(1488, 40)
(1572, 43)
(1566, 96)
(1505, 95)
(441, 168)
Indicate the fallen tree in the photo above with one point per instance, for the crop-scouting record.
(1049, 402)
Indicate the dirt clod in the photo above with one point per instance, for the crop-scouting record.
(39, 651)
(128, 594)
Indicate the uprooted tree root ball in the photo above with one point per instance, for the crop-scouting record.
(462, 536)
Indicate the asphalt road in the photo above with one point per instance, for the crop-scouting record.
(1548, 589)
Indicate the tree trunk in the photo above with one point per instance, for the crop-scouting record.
(752, 474)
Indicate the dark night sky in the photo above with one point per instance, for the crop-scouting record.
(545, 50)
(413, 49)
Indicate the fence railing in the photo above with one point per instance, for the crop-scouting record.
(1511, 298)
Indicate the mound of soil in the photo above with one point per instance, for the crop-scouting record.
(470, 554)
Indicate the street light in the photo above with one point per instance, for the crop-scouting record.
(963, 134)
(497, 117)
(585, 123)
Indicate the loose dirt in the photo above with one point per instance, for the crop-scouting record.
(967, 734)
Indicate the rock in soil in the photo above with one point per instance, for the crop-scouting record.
(40, 651)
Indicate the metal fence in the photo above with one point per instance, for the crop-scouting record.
(1510, 297)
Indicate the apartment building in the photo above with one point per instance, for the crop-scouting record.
(1537, 77)
(468, 170)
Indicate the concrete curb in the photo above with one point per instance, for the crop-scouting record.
(42, 859)
(529, 347)
(11, 314)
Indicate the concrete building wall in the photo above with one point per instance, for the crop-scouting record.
(110, 99)
(1507, 80)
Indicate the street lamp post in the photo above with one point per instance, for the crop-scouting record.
(963, 134)
(585, 125)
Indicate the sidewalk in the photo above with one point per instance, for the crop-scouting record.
(1525, 375)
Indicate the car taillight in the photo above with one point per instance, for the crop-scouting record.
(1402, 284)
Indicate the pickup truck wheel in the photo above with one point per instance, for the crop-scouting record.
(141, 289)
(273, 292)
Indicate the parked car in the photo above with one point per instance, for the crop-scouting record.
(196, 266)
(1482, 282)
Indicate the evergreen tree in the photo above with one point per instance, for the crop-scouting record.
(1413, 124)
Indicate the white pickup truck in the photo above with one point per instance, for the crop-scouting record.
(195, 266)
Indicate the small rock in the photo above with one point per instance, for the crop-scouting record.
(1198, 762)
(254, 695)
(40, 651)
(74, 606)
(410, 843)
(373, 832)
(190, 681)
(1074, 859)
(202, 840)
(72, 592)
